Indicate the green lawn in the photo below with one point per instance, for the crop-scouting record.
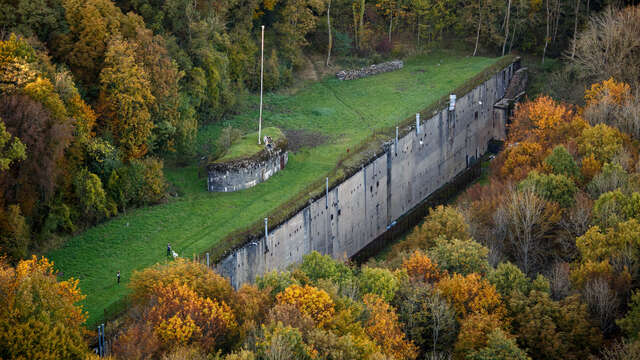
(344, 113)
(247, 145)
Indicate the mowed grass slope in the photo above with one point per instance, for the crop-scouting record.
(343, 113)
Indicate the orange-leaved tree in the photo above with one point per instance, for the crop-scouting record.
(420, 267)
(471, 294)
(544, 121)
(384, 329)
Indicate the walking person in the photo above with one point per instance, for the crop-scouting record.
(118, 277)
(168, 249)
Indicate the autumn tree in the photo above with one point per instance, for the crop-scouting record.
(551, 187)
(553, 330)
(125, 98)
(620, 245)
(317, 266)
(92, 196)
(529, 220)
(508, 278)
(441, 221)
(499, 347)
(281, 343)
(520, 159)
(608, 46)
(92, 25)
(46, 135)
(40, 317)
(180, 316)
(614, 207)
(474, 334)
(460, 256)
(611, 177)
(601, 140)
(471, 294)
(420, 267)
(630, 323)
(426, 318)
(562, 163)
(544, 121)
(310, 301)
(382, 326)
(379, 281)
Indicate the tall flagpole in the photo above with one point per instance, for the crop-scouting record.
(261, 72)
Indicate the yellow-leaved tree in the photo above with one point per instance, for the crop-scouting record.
(39, 318)
(310, 301)
(125, 99)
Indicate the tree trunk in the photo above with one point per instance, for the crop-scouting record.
(546, 38)
(575, 30)
(512, 37)
(556, 14)
(390, 25)
(361, 24)
(475, 50)
(329, 28)
(506, 29)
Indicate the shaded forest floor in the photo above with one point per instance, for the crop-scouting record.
(340, 114)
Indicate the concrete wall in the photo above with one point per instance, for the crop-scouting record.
(245, 174)
(361, 208)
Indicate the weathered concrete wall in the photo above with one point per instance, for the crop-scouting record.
(361, 208)
(247, 173)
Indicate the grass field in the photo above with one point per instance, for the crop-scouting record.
(341, 113)
(247, 145)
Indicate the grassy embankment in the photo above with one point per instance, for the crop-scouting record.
(343, 113)
(247, 145)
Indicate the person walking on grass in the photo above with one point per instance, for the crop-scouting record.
(168, 249)
(118, 277)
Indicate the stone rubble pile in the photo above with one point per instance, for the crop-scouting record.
(370, 70)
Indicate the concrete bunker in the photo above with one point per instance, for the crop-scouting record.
(244, 172)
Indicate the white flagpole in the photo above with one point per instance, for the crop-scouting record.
(261, 72)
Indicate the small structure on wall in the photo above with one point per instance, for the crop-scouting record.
(245, 165)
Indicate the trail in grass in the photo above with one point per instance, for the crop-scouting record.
(344, 112)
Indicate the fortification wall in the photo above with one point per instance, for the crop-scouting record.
(246, 173)
(360, 209)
